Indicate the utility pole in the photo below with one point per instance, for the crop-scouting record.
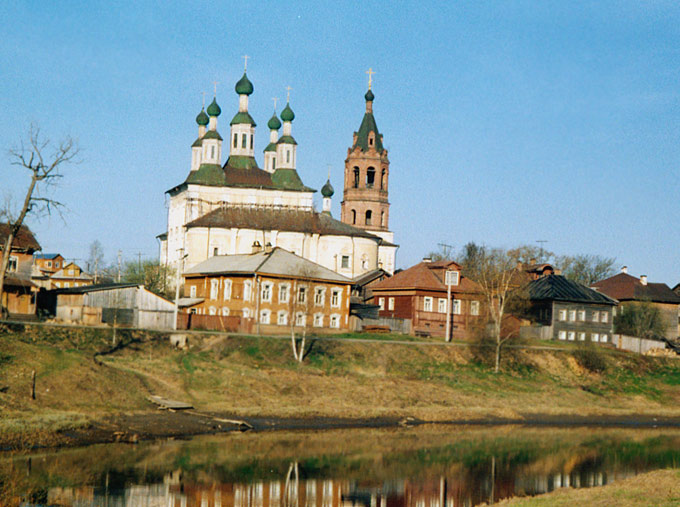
(139, 262)
(120, 254)
(180, 268)
(449, 279)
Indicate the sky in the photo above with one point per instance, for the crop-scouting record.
(506, 123)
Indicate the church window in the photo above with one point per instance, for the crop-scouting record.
(287, 155)
(369, 216)
(273, 163)
(251, 141)
(212, 152)
(356, 177)
(244, 140)
(354, 216)
(345, 262)
(216, 251)
(382, 218)
(383, 179)
(370, 177)
(235, 140)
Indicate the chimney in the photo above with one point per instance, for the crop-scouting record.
(624, 269)
(427, 259)
(643, 279)
(256, 247)
(268, 247)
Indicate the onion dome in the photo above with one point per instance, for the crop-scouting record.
(274, 123)
(369, 96)
(327, 189)
(202, 118)
(244, 86)
(213, 108)
(287, 114)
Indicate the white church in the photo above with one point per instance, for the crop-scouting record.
(236, 207)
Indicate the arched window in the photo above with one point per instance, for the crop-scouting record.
(369, 215)
(244, 140)
(287, 155)
(273, 163)
(251, 141)
(212, 151)
(370, 177)
(382, 219)
(235, 140)
(383, 179)
(356, 177)
(354, 216)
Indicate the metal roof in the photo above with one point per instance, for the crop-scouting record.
(559, 288)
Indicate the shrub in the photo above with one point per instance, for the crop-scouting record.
(591, 358)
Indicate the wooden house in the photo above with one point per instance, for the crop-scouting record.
(19, 292)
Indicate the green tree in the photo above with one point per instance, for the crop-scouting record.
(641, 319)
(155, 277)
(586, 269)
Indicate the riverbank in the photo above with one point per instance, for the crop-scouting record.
(87, 391)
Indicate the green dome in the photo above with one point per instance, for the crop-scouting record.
(274, 123)
(369, 96)
(287, 114)
(202, 118)
(327, 189)
(244, 86)
(213, 108)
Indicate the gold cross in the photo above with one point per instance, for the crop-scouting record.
(329, 172)
(370, 73)
(203, 93)
(245, 66)
(216, 83)
(275, 99)
(288, 88)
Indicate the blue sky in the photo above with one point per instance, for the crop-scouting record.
(506, 122)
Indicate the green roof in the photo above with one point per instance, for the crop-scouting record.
(368, 125)
(244, 86)
(202, 118)
(288, 179)
(197, 142)
(274, 123)
(327, 189)
(212, 134)
(369, 96)
(270, 147)
(207, 174)
(241, 118)
(241, 162)
(287, 114)
(213, 108)
(286, 140)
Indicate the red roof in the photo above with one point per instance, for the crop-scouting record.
(625, 287)
(24, 240)
(427, 276)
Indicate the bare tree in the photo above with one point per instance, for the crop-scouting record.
(586, 269)
(94, 263)
(300, 303)
(43, 162)
(496, 272)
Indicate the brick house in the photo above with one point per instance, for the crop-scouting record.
(271, 287)
(631, 290)
(19, 293)
(570, 311)
(419, 293)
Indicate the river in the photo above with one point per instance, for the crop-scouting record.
(431, 466)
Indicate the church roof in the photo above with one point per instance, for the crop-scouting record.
(212, 134)
(368, 125)
(276, 218)
(243, 117)
(288, 179)
(270, 147)
(286, 140)
(211, 175)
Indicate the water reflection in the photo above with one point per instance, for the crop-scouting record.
(423, 467)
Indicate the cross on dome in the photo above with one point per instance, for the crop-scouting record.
(215, 83)
(245, 65)
(275, 99)
(370, 73)
(288, 89)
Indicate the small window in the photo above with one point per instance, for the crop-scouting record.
(562, 315)
(282, 318)
(212, 310)
(427, 304)
(441, 305)
(370, 141)
(300, 319)
(356, 177)
(266, 293)
(251, 142)
(192, 291)
(595, 337)
(284, 290)
(214, 288)
(582, 315)
(383, 179)
(344, 262)
(370, 177)
(390, 304)
(318, 320)
(265, 316)
(474, 307)
(235, 140)
(49, 264)
(604, 317)
(456, 306)
(319, 296)
(227, 289)
(13, 264)
(216, 251)
(369, 215)
(572, 315)
(335, 298)
(247, 285)
(273, 163)
(212, 152)
(452, 278)
(382, 219)
(562, 335)
(354, 217)
(287, 156)
(381, 303)
(246, 313)
(571, 336)
(603, 338)
(596, 316)
(335, 321)
(225, 311)
(302, 294)
(56, 264)
(244, 140)
(581, 337)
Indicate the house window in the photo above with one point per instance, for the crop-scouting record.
(284, 290)
(344, 262)
(335, 321)
(571, 335)
(192, 291)
(335, 298)
(244, 140)
(581, 337)
(227, 289)
(562, 335)
(562, 315)
(390, 304)
(369, 215)
(300, 319)
(604, 317)
(370, 177)
(214, 288)
(13, 264)
(266, 293)
(265, 316)
(572, 315)
(381, 303)
(246, 313)
(319, 296)
(451, 278)
(302, 295)
(474, 307)
(427, 305)
(603, 338)
(282, 318)
(318, 320)
(582, 315)
(212, 310)
(49, 264)
(247, 289)
(441, 305)
(456, 306)
(225, 311)
(595, 337)
(596, 316)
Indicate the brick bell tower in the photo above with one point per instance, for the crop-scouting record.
(367, 169)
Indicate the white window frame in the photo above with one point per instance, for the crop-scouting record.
(225, 311)
(247, 290)
(562, 335)
(474, 308)
(13, 264)
(596, 316)
(214, 288)
(282, 318)
(427, 303)
(319, 296)
(571, 336)
(572, 315)
(266, 292)
(227, 290)
(452, 278)
(604, 317)
(302, 294)
(284, 292)
(441, 305)
(212, 310)
(390, 304)
(336, 294)
(604, 338)
(581, 336)
(562, 315)
(335, 321)
(582, 315)
(344, 262)
(246, 313)
(192, 291)
(457, 306)
(381, 303)
(594, 337)
(300, 319)
(265, 316)
(318, 320)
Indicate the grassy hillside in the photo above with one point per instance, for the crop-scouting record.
(248, 376)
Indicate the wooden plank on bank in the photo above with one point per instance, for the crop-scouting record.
(164, 403)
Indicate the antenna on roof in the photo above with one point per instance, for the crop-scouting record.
(541, 242)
